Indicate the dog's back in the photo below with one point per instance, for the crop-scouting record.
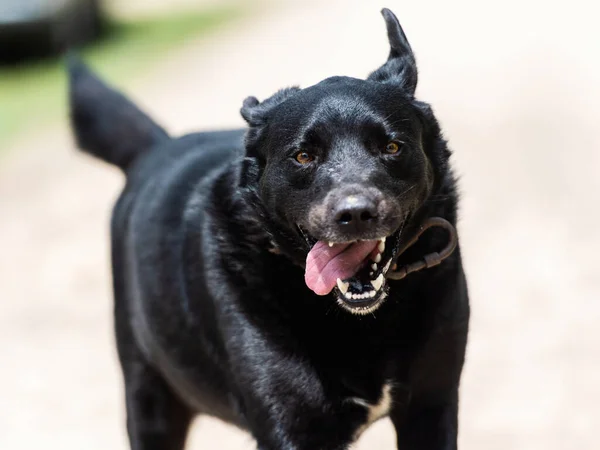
(148, 226)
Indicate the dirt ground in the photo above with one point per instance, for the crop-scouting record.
(515, 85)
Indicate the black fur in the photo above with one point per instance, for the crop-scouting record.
(106, 124)
(209, 320)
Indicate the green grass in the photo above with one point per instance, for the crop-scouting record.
(34, 94)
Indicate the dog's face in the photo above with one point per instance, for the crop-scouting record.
(343, 166)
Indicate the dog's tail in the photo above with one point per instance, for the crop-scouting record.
(105, 123)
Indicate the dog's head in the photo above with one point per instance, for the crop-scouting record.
(343, 166)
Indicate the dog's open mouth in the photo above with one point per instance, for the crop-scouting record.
(355, 271)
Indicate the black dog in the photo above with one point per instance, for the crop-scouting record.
(253, 279)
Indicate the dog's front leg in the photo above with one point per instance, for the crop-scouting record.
(304, 430)
(428, 425)
(285, 402)
(302, 420)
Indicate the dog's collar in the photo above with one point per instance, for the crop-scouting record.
(430, 259)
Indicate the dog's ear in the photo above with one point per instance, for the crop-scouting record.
(105, 123)
(257, 115)
(401, 67)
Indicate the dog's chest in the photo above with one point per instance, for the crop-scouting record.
(375, 411)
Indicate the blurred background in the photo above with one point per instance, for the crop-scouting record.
(516, 87)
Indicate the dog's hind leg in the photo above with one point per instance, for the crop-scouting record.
(156, 417)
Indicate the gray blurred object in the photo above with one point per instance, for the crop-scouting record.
(36, 28)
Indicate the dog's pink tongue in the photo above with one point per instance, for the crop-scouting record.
(324, 264)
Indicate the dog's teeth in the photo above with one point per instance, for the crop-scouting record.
(342, 286)
(377, 282)
(372, 294)
(374, 266)
(331, 244)
(378, 258)
(360, 296)
(381, 245)
(387, 266)
(348, 295)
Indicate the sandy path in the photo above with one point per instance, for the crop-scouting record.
(515, 87)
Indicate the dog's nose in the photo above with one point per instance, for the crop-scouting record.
(356, 213)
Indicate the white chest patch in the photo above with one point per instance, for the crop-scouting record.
(375, 411)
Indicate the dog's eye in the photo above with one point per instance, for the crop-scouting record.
(393, 148)
(304, 157)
